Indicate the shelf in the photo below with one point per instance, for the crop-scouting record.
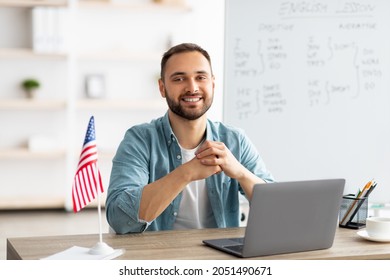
(180, 7)
(24, 153)
(18, 203)
(33, 104)
(100, 104)
(25, 53)
(33, 3)
(139, 104)
(118, 55)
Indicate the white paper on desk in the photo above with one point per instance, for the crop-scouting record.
(81, 253)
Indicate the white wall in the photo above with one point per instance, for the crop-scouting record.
(150, 31)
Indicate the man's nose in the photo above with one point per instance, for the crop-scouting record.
(192, 86)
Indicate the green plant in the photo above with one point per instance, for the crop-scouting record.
(30, 84)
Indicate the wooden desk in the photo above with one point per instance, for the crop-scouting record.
(187, 244)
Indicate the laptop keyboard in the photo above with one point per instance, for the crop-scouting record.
(238, 240)
(236, 248)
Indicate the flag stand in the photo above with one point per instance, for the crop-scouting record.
(100, 248)
(86, 185)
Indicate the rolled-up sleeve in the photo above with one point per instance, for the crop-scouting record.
(128, 177)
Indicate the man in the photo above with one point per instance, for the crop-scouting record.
(182, 170)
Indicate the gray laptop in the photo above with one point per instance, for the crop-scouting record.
(288, 217)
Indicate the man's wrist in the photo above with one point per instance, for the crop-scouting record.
(184, 174)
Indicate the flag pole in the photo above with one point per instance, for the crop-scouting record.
(99, 206)
(101, 248)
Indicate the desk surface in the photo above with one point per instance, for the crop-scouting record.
(187, 244)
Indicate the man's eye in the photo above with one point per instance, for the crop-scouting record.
(178, 79)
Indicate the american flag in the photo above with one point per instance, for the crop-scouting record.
(85, 185)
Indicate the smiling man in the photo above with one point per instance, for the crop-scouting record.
(182, 170)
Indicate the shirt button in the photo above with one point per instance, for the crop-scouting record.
(178, 156)
(175, 214)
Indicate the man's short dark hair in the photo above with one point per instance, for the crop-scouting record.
(182, 48)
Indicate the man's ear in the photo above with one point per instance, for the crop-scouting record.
(161, 87)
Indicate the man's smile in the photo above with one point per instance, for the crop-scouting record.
(191, 99)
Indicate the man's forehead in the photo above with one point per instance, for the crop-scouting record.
(188, 62)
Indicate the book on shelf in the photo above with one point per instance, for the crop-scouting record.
(50, 32)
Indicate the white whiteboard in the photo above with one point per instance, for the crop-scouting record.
(309, 82)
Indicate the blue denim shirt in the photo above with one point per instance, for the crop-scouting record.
(150, 151)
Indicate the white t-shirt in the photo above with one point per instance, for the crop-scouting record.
(195, 208)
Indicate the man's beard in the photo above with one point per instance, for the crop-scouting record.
(190, 115)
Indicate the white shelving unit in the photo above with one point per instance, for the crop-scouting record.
(157, 6)
(28, 54)
(32, 3)
(23, 153)
(26, 104)
(42, 178)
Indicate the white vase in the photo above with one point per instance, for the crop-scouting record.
(31, 93)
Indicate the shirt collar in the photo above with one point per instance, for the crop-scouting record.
(170, 136)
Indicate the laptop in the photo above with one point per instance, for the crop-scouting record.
(287, 217)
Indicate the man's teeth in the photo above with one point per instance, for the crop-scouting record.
(191, 99)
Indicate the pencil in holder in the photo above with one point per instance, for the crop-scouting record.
(353, 212)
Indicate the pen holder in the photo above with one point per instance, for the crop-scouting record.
(353, 212)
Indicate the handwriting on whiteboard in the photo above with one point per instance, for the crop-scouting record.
(326, 68)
